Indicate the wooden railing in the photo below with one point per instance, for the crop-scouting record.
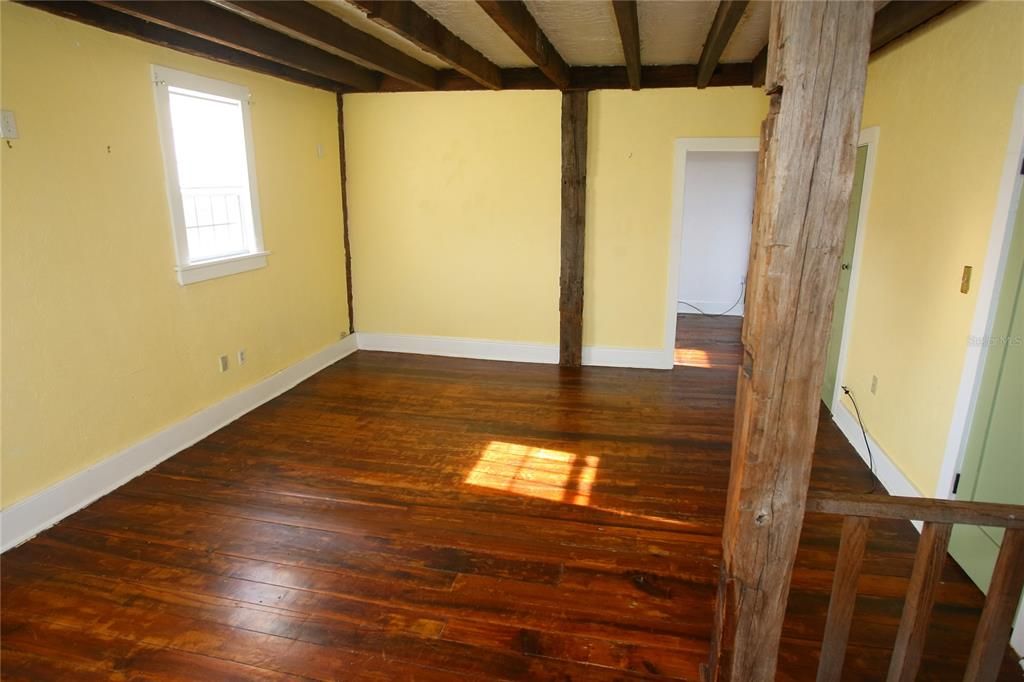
(939, 516)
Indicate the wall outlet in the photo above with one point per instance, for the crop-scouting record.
(8, 126)
(874, 385)
(241, 357)
(319, 151)
(224, 363)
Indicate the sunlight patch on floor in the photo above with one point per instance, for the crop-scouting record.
(553, 475)
(538, 472)
(692, 357)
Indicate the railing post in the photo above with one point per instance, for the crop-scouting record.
(993, 632)
(917, 609)
(844, 597)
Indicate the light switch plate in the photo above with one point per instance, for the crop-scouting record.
(8, 126)
(965, 279)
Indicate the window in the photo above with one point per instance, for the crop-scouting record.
(211, 182)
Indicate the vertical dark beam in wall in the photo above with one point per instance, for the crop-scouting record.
(344, 212)
(574, 201)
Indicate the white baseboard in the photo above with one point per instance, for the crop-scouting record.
(25, 519)
(894, 480)
(512, 351)
(458, 347)
(1017, 636)
(636, 358)
(712, 307)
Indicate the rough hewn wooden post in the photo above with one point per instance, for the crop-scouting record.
(817, 62)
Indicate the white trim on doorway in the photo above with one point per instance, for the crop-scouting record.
(869, 137)
(683, 146)
(1011, 192)
(992, 274)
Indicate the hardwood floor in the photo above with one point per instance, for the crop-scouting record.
(401, 517)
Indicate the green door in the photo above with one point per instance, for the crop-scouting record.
(993, 466)
(828, 387)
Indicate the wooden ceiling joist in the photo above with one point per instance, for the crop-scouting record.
(759, 67)
(218, 25)
(415, 25)
(124, 24)
(727, 17)
(319, 28)
(901, 16)
(591, 78)
(515, 20)
(629, 33)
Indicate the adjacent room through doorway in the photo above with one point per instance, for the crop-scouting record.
(716, 181)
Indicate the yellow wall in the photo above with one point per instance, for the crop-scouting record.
(455, 209)
(101, 346)
(454, 213)
(943, 101)
(2, 14)
(629, 200)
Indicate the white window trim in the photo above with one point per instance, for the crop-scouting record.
(188, 272)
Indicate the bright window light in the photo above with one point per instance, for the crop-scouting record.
(205, 132)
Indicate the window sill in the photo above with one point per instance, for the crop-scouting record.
(221, 267)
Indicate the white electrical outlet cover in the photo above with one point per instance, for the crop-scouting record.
(8, 126)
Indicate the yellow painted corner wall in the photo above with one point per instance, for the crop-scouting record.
(101, 346)
(454, 202)
(2, 2)
(943, 101)
(454, 213)
(629, 200)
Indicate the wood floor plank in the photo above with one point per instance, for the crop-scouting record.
(402, 517)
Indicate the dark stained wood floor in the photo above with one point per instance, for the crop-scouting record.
(401, 517)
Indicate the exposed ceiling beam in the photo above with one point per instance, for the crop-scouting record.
(414, 24)
(900, 17)
(321, 29)
(206, 21)
(590, 78)
(660, 76)
(760, 65)
(727, 17)
(116, 22)
(629, 33)
(516, 21)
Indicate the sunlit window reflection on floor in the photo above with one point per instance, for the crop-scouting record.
(538, 472)
(692, 357)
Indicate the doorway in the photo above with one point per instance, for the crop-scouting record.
(828, 386)
(718, 209)
(842, 311)
(993, 464)
(712, 212)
